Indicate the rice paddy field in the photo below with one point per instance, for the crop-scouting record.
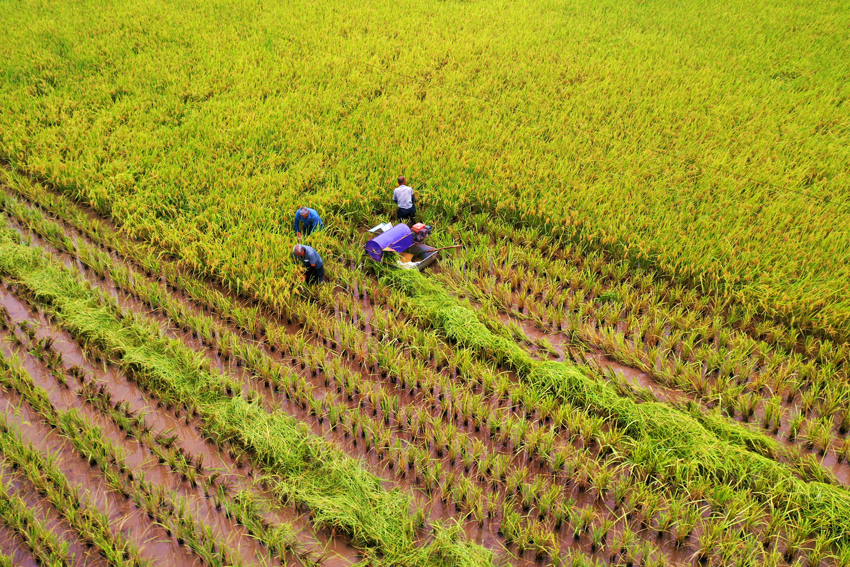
(639, 356)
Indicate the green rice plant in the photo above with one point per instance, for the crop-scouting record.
(843, 452)
(583, 520)
(547, 499)
(831, 402)
(842, 557)
(808, 399)
(818, 435)
(563, 512)
(709, 540)
(645, 552)
(747, 403)
(844, 422)
(101, 331)
(43, 543)
(649, 505)
(546, 347)
(685, 523)
(599, 534)
(819, 550)
(601, 483)
(791, 387)
(811, 468)
(796, 537)
(773, 414)
(622, 543)
(795, 424)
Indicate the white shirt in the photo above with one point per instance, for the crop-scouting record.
(403, 195)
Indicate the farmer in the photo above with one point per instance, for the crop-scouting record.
(403, 196)
(307, 220)
(312, 261)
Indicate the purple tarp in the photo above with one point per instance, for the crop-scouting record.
(398, 238)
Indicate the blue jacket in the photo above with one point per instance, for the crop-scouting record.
(311, 258)
(311, 223)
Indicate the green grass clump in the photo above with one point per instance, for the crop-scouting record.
(338, 491)
(657, 435)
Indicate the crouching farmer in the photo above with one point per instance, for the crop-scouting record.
(312, 261)
(307, 221)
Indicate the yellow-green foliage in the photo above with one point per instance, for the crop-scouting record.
(695, 445)
(202, 125)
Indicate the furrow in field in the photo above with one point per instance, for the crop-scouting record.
(174, 511)
(33, 531)
(42, 444)
(138, 457)
(14, 552)
(507, 448)
(143, 453)
(214, 417)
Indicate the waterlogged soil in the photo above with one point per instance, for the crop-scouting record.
(484, 533)
(13, 546)
(48, 516)
(163, 423)
(437, 507)
(149, 538)
(641, 380)
(141, 461)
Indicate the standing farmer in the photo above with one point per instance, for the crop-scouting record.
(403, 196)
(312, 261)
(308, 221)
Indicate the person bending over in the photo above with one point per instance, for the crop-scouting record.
(307, 221)
(308, 256)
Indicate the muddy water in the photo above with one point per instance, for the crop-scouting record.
(138, 457)
(141, 461)
(451, 512)
(129, 303)
(840, 470)
(12, 543)
(149, 538)
(12, 546)
(50, 518)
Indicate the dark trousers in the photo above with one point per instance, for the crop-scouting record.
(407, 214)
(314, 275)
